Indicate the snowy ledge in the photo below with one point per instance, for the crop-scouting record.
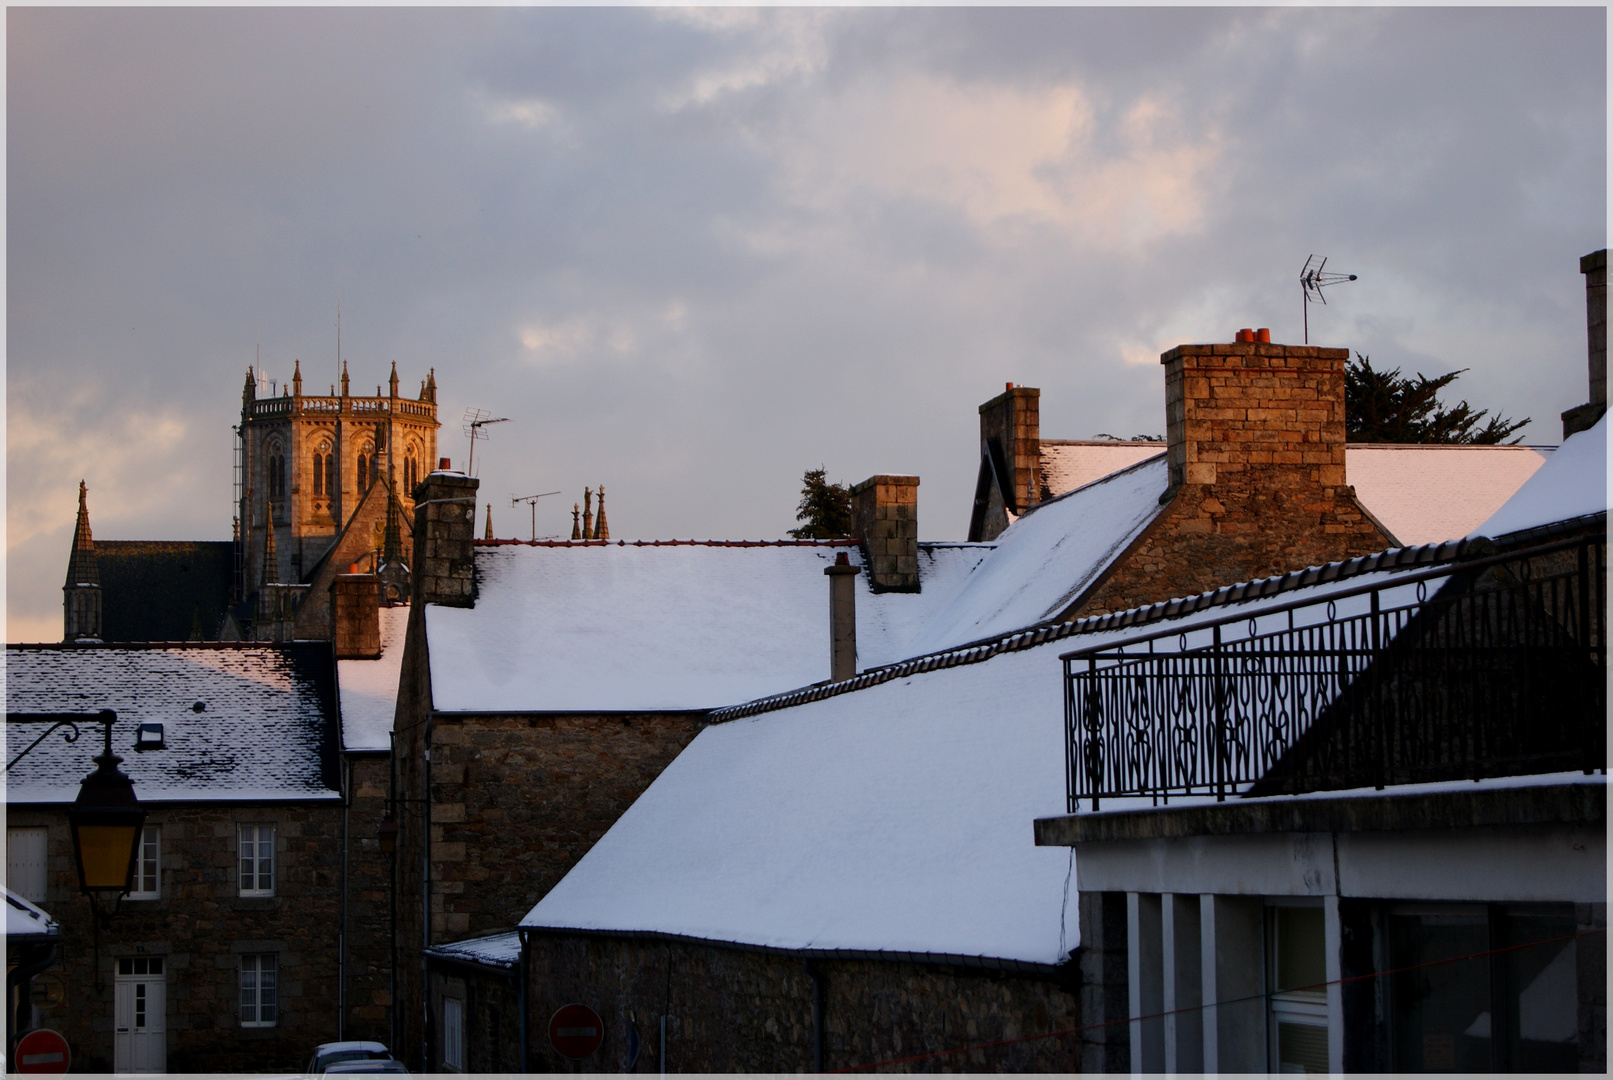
(1557, 798)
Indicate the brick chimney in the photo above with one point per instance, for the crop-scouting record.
(1584, 417)
(1255, 451)
(886, 509)
(444, 525)
(842, 618)
(355, 611)
(1011, 447)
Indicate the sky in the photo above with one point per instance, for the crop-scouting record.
(690, 254)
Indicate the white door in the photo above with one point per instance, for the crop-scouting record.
(140, 1007)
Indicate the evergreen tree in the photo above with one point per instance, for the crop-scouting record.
(1384, 407)
(825, 509)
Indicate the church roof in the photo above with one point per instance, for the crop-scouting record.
(157, 590)
(266, 729)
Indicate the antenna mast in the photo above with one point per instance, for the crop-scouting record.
(532, 501)
(1312, 280)
(475, 421)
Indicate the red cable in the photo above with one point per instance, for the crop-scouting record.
(1217, 1004)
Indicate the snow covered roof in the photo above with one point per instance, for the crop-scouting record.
(496, 950)
(1572, 484)
(647, 626)
(1422, 494)
(369, 688)
(266, 729)
(25, 919)
(894, 816)
(1045, 558)
(1425, 494)
(1071, 463)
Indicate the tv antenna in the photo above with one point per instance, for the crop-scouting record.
(1313, 280)
(532, 501)
(475, 421)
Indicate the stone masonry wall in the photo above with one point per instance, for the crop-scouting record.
(729, 1010)
(886, 509)
(200, 927)
(369, 903)
(1256, 455)
(1013, 418)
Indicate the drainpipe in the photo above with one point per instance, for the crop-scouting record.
(341, 933)
(520, 993)
(425, 907)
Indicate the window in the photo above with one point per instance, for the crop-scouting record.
(1298, 957)
(260, 989)
(453, 1033)
(363, 472)
(26, 850)
(277, 473)
(257, 860)
(148, 870)
(330, 474)
(319, 474)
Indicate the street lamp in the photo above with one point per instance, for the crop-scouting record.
(106, 819)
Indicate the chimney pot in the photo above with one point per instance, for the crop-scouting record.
(444, 464)
(1244, 336)
(1263, 335)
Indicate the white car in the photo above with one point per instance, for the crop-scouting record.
(336, 1053)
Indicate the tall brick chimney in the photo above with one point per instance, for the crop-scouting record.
(886, 510)
(1255, 451)
(355, 612)
(444, 525)
(1010, 442)
(1584, 417)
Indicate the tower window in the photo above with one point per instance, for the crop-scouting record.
(319, 474)
(363, 472)
(330, 475)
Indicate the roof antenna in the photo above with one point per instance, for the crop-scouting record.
(1312, 280)
(532, 501)
(475, 421)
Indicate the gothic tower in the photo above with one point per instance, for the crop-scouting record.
(81, 614)
(307, 461)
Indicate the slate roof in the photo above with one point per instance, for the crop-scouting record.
(501, 951)
(153, 590)
(27, 922)
(266, 732)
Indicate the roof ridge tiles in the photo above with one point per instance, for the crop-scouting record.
(975, 652)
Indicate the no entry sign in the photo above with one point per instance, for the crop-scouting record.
(576, 1031)
(42, 1051)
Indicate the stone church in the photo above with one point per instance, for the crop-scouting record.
(323, 483)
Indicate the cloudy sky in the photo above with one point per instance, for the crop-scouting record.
(692, 254)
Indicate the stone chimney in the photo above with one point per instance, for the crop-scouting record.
(1584, 417)
(1255, 453)
(81, 595)
(842, 618)
(355, 612)
(1011, 448)
(444, 526)
(887, 525)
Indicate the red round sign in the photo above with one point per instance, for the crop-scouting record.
(42, 1051)
(576, 1031)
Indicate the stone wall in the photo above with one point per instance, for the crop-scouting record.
(1013, 419)
(1257, 485)
(886, 521)
(730, 1010)
(200, 927)
(370, 960)
(490, 999)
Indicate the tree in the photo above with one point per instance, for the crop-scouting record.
(1384, 407)
(825, 509)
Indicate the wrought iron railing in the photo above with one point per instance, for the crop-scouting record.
(1486, 666)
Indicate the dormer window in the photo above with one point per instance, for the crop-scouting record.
(149, 737)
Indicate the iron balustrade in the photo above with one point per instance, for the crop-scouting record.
(1480, 667)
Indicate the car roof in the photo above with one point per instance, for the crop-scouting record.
(350, 1045)
(386, 1065)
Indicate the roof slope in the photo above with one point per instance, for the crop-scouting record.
(26, 920)
(1572, 484)
(649, 627)
(1044, 559)
(369, 688)
(1428, 494)
(1067, 464)
(155, 590)
(267, 729)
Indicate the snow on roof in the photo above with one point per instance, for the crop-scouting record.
(1426, 494)
(1045, 558)
(896, 818)
(24, 919)
(369, 688)
(266, 729)
(1071, 463)
(496, 950)
(1572, 484)
(622, 627)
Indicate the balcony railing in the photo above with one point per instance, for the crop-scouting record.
(1483, 667)
(278, 407)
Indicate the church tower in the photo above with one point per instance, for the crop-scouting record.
(81, 611)
(307, 462)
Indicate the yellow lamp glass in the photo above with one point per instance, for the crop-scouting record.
(105, 854)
